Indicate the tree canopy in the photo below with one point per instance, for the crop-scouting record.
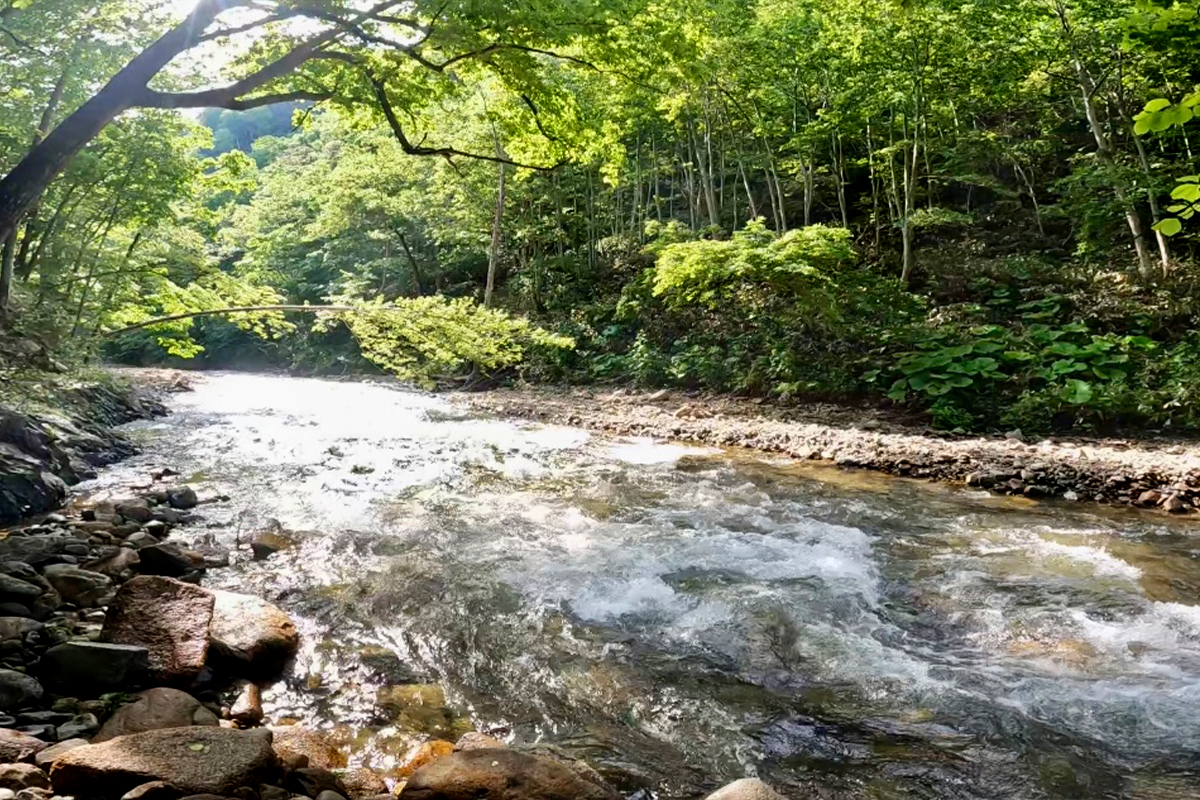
(981, 209)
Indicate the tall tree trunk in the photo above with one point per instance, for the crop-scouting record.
(26, 182)
(418, 278)
(497, 222)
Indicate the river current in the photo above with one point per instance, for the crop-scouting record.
(683, 616)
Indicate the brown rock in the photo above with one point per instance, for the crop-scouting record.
(115, 564)
(250, 636)
(1175, 505)
(79, 586)
(477, 741)
(501, 775)
(248, 706)
(16, 746)
(361, 782)
(426, 754)
(171, 619)
(296, 740)
(196, 760)
(746, 789)
(1149, 498)
(155, 709)
(152, 790)
(52, 753)
(22, 776)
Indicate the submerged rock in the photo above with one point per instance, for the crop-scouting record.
(182, 498)
(194, 760)
(155, 709)
(171, 619)
(501, 775)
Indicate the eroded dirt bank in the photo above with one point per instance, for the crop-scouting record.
(1159, 474)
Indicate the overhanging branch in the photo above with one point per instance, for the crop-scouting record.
(232, 310)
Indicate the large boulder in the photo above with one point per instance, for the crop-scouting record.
(18, 689)
(155, 709)
(746, 789)
(501, 775)
(250, 637)
(171, 619)
(79, 586)
(26, 485)
(94, 666)
(194, 760)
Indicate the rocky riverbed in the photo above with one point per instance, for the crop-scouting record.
(122, 677)
(1155, 474)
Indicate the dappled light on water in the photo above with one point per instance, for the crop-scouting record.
(680, 616)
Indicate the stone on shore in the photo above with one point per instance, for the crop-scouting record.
(18, 689)
(135, 510)
(79, 586)
(97, 666)
(17, 627)
(247, 708)
(168, 559)
(22, 776)
(54, 752)
(746, 789)
(491, 774)
(17, 591)
(291, 741)
(250, 637)
(153, 790)
(16, 746)
(194, 760)
(171, 619)
(156, 709)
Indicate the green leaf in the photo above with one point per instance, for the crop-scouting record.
(1169, 226)
(1077, 392)
(1188, 192)
(1158, 104)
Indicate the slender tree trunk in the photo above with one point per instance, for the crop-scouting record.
(497, 222)
(749, 193)
(7, 258)
(413, 264)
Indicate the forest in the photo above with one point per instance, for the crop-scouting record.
(978, 211)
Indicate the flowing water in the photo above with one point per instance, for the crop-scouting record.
(681, 616)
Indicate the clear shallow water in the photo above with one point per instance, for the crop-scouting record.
(682, 616)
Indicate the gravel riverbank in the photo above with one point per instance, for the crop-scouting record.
(1160, 474)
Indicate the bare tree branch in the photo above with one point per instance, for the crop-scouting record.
(448, 153)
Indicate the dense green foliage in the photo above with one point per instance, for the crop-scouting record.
(981, 210)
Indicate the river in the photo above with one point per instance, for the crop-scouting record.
(683, 616)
